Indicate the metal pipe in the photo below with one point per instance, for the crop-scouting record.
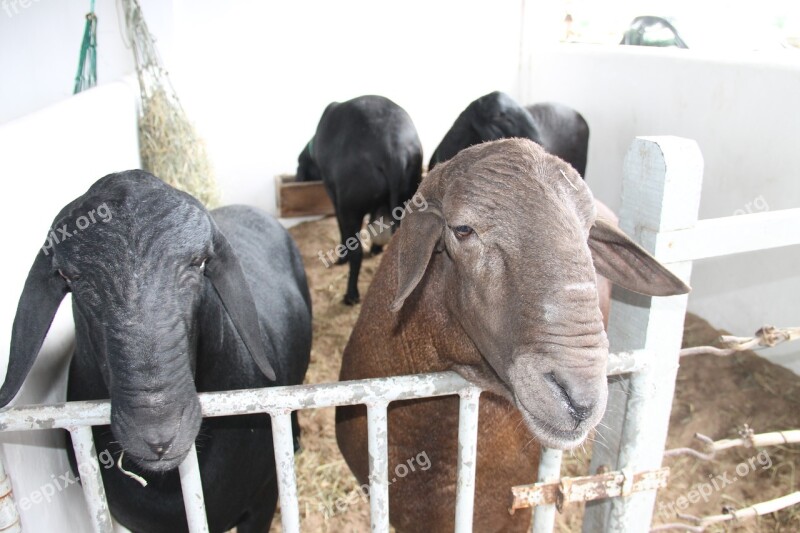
(377, 435)
(544, 516)
(249, 401)
(192, 488)
(283, 443)
(92, 482)
(468, 410)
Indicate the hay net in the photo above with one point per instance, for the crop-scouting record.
(169, 144)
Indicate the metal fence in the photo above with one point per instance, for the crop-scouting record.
(279, 403)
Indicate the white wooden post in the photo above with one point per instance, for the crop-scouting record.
(660, 193)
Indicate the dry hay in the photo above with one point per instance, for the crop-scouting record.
(169, 145)
(713, 396)
(172, 150)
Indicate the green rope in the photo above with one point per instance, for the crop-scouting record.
(87, 62)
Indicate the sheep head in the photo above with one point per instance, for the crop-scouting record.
(512, 234)
(138, 275)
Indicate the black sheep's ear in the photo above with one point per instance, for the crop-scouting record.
(225, 273)
(417, 238)
(43, 292)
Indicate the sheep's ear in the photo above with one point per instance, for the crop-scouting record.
(44, 289)
(226, 275)
(627, 264)
(417, 238)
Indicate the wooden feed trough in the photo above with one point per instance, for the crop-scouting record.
(301, 199)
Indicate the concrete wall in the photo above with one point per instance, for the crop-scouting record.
(744, 112)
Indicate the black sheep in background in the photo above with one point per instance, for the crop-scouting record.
(559, 129)
(369, 156)
(564, 133)
(489, 118)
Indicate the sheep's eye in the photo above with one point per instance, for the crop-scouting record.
(462, 232)
(199, 262)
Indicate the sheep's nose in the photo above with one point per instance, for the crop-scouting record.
(578, 410)
(160, 448)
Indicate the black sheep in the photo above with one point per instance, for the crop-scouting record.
(170, 300)
(489, 118)
(369, 156)
(559, 129)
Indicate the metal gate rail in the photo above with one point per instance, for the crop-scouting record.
(278, 402)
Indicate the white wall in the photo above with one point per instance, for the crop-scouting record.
(743, 110)
(256, 76)
(40, 45)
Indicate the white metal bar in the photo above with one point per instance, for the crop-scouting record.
(249, 401)
(544, 516)
(730, 235)
(192, 488)
(91, 480)
(283, 443)
(661, 193)
(468, 410)
(377, 435)
(67, 416)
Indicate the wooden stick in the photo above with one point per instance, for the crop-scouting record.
(753, 511)
(766, 337)
(748, 440)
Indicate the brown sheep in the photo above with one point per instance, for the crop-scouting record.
(495, 280)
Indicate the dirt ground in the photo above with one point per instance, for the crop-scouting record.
(714, 396)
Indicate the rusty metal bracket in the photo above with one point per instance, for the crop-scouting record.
(585, 488)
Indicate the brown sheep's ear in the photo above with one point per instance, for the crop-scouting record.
(418, 237)
(628, 265)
